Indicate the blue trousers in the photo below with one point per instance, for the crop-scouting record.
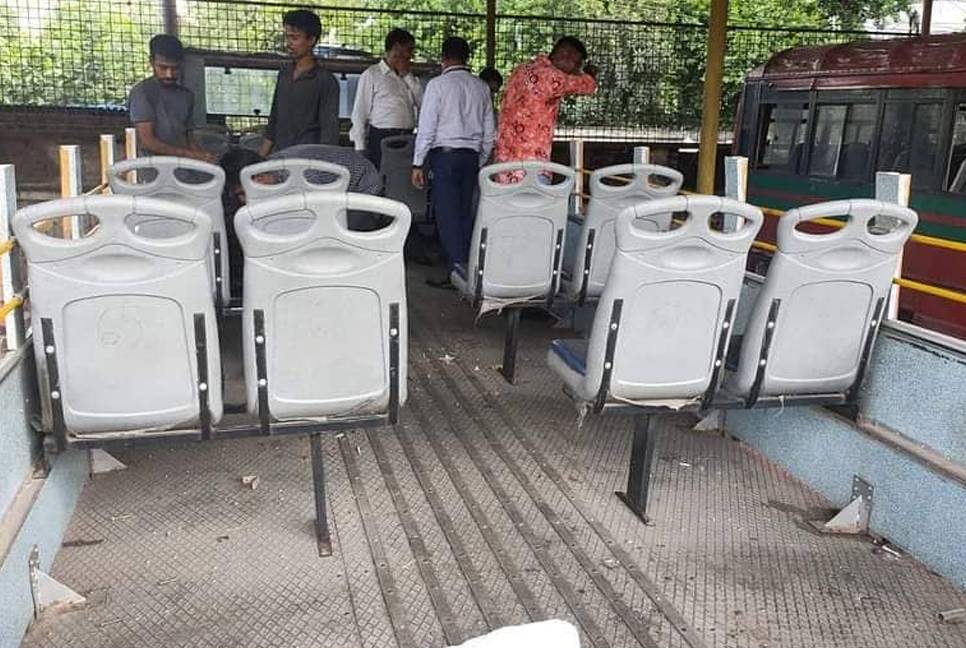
(454, 178)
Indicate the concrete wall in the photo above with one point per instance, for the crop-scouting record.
(915, 388)
(35, 508)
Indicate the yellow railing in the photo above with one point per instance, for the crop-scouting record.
(6, 246)
(8, 307)
(922, 239)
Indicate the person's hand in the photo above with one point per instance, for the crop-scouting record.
(419, 178)
(591, 69)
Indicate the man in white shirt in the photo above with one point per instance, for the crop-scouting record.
(455, 136)
(387, 97)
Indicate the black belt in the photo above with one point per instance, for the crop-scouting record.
(450, 149)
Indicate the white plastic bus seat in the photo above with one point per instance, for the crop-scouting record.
(396, 170)
(167, 185)
(290, 176)
(666, 310)
(585, 273)
(327, 297)
(817, 313)
(517, 247)
(121, 307)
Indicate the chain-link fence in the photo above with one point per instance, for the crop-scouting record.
(90, 52)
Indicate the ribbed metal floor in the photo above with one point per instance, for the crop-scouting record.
(487, 506)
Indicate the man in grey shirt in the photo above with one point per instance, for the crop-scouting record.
(305, 107)
(160, 108)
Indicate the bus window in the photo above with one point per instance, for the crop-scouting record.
(784, 129)
(956, 175)
(829, 124)
(909, 139)
(843, 140)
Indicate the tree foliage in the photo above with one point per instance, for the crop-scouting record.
(651, 53)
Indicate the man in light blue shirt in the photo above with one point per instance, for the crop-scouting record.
(454, 137)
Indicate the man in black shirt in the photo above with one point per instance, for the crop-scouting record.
(305, 108)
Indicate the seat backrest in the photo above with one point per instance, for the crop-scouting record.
(330, 300)
(181, 180)
(822, 299)
(117, 310)
(611, 191)
(396, 169)
(518, 234)
(292, 175)
(677, 292)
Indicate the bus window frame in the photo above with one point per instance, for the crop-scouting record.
(946, 99)
(768, 97)
(847, 98)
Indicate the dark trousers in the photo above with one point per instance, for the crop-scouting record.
(374, 142)
(454, 178)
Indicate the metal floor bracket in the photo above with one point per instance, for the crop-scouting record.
(102, 462)
(713, 422)
(49, 594)
(854, 518)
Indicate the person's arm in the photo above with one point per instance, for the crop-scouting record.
(268, 137)
(150, 143)
(360, 111)
(329, 109)
(566, 84)
(489, 130)
(425, 133)
(201, 153)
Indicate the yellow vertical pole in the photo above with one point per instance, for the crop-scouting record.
(107, 159)
(490, 33)
(711, 105)
(70, 185)
(926, 26)
(131, 151)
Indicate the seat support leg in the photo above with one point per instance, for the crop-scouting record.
(318, 483)
(639, 471)
(510, 344)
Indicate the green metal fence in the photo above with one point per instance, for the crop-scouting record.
(90, 52)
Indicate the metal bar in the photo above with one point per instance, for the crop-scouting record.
(642, 155)
(107, 159)
(615, 323)
(264, 416)
(936, 291)
(537, 544)
(650, 588)
(201, 357)
(925, 27)
(70, 185)
(464, 559)
(169, 9)
(493, 540)
(577, 164)
(508, 369)
(394, 334)
(763, 354)
(736, 187)
(555, 270)
(894, 188)
(53, 384)
(639, 469)
(588, 259)
(390, 593)
(480, 266)
(11, 285)
(719, 357)
(711, 104)
(853, 392)
(131, 151)
(219, 280)
(490, 33)
(8, 307)
(323, 539)
(452, 631)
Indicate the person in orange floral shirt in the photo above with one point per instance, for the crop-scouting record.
(532, 98)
